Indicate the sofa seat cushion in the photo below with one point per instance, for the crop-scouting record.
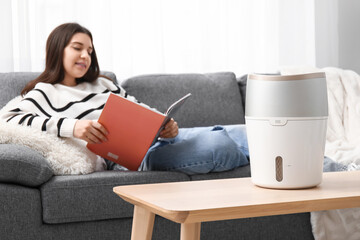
(77, 198)
(239, 172)
(215, 99)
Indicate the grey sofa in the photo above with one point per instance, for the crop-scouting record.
(35, 204)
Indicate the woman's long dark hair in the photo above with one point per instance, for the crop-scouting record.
(54, 71)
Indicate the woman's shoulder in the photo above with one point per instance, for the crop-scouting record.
(106, 83)
(98, 86)
(42, 87)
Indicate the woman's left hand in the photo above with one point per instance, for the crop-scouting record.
(170, 130)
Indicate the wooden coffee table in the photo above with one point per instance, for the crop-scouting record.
(190, 203)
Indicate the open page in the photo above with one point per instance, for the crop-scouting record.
(176, 105)
(170, 112)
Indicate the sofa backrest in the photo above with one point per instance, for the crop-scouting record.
(12, 83)
(215, 99)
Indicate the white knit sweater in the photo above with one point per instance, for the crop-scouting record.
(54, 108)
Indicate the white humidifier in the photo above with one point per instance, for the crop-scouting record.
(286, 118)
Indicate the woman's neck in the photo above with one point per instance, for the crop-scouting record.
(69, 81)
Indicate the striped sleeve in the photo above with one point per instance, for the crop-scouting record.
(27, 113)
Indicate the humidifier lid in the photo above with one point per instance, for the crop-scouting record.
(303, 95)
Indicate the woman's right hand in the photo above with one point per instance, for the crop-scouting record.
(90, 131)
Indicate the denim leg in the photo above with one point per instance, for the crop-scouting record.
(238, 134)
(197, 151)
(110, 165)
(332, 166)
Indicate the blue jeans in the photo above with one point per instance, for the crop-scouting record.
(204, 149)
(200, 150)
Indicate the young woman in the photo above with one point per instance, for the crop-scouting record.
(67, 98)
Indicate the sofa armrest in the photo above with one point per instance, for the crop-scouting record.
(22, 165)
(242, 81)
(109, 75)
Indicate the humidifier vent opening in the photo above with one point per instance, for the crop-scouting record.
(279, 168)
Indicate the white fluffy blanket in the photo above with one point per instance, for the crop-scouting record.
(66, 156)
(342, 145)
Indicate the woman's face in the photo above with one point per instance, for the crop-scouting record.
(77, 58)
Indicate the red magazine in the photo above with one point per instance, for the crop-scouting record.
(132, 130)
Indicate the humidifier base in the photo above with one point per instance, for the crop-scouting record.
(286, 154)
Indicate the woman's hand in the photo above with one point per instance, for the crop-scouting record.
(170, 130)
(90, 131)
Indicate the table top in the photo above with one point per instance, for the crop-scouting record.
(211, 200)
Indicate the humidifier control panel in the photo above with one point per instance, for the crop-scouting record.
(278, 122)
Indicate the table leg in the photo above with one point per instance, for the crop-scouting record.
(143, 223)
(190, 231)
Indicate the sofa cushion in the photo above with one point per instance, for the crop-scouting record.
(235, 173)
(12, 84)
(22, 165)
(242, 81)
(90, 197)
(215, 97)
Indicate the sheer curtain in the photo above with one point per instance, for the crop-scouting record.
(166, 36)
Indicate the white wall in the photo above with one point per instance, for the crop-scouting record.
(6, 46)
(326, 33)
(349, 34)
(337, 33)
(296, 33)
